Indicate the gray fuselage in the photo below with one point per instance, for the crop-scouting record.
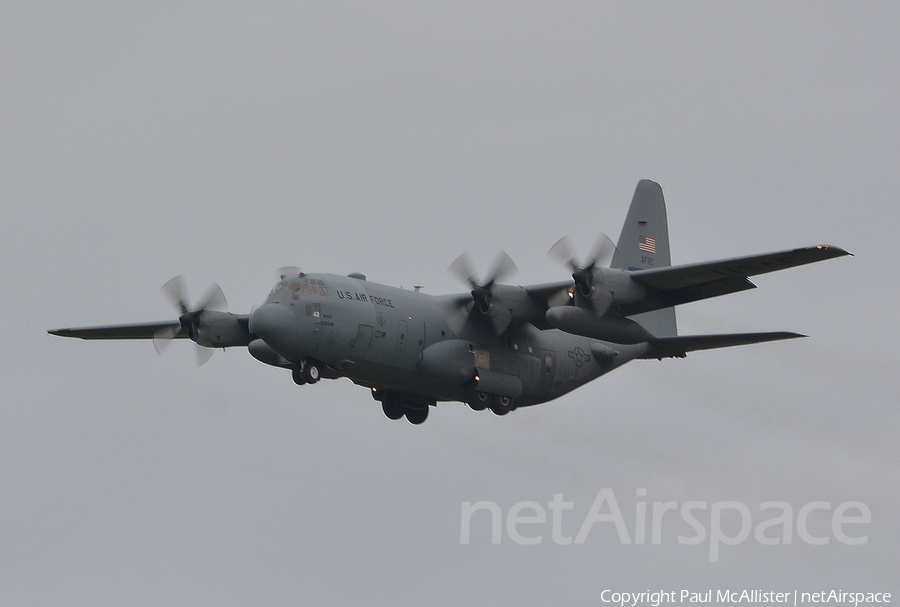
(392, 339)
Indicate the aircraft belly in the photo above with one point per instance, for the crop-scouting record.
(410, 381)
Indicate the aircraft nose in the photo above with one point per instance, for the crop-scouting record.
(273, 323)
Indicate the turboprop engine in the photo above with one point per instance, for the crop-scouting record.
(596, 284)
(214, 329)
(205, 325)
(610, 287)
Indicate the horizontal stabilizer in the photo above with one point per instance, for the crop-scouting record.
(678, 347)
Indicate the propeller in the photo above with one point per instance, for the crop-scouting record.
(176, 291)
(482, 292)
(583, 275)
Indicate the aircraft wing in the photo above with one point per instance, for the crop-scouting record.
(545, 296)
(133, 331)
(530, 295)
(523, 304)
(678, 347)
(674, 285)
(546, 291)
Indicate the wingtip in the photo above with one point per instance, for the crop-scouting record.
(836, 251)
(781, 335)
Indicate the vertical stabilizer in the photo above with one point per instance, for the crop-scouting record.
(644, 244)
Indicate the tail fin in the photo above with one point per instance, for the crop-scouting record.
(644, 244)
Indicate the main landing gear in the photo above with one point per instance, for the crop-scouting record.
(395, 407)
(499, 405)
(308, 371)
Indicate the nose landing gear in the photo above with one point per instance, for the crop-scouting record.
(308, 371)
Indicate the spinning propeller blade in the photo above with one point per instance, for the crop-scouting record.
(176, 291)
(601, 255)
(482, 292)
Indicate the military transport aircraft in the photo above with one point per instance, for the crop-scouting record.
(495, 347)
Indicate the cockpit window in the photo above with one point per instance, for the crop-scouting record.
(312, 286)
(307, 286)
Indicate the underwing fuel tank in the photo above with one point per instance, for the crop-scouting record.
(609, 327)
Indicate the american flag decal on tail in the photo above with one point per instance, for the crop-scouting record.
(647, 244)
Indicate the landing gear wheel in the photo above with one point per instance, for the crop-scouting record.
(416, 415)
(392, 408)
(297, 374)
(312, 371)
(501, 405)
(479, 401)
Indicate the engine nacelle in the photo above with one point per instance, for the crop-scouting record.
(221, 330)
(617, 285)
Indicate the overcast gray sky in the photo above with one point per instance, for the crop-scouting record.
(224, 140)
